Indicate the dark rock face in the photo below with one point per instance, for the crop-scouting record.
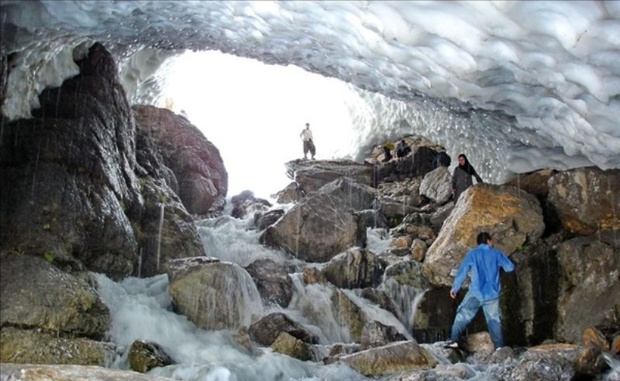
(195, 161)
(272, 281)
(245, 205)
(71, 171)
(267, 329)
(356, 268)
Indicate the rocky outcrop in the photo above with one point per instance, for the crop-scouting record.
(324, 224)
(355, 268)
(195, 161)
(87, 188)
(36, 347)
(588, 289)
(586, 199)
(37, 295)
(312, 175)
(437, 185)
(512, 217)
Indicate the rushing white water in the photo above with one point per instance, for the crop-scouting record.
(141, 309)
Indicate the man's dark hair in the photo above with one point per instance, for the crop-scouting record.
(483, 237)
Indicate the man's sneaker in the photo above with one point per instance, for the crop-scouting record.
(451, 344)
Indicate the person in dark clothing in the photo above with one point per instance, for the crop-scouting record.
(402, 149)
(462, 177)
(387, 155)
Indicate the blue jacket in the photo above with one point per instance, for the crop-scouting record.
(483, 264)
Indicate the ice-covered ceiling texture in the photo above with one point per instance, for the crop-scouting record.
(517, 85)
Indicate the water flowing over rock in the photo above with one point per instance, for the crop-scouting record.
(324, 224)
(195, 161)
(586, 199)
(512, 217)
(216, 295)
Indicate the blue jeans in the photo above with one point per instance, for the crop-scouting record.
(467, 311)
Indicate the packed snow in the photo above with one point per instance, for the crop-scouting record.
(516, 85)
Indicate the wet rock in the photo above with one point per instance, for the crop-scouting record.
(214, 296)
(144, 356)
(586, 199)
(588, 289)
(512, 217)
(377, 334)
(195, 161)
(37, 295)
(418, 250)
(323, 225)
(291, 346)
(573, 359)
(355, 268)
(266, 330)
(272, 281)
(36, 347)
(71, 170)
(479, 343)
(397, 357)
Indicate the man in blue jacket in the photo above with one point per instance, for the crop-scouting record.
(483, 264)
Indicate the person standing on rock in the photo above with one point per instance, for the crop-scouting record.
(462, 177)
(306, 136)
(483, 265)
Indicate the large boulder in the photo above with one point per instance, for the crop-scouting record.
(310, 176)
(437, 185)
(402, 356)
(586, 199)
(324, 224)
(272, 281)
(267, 329)
(511, 216)
(588, 285)
(213, 295)
(355, 268)
(195, 161)
(37, 295)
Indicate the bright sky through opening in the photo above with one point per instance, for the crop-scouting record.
(254, 114)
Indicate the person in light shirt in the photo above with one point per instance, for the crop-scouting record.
(483, 265)
(306, 136)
